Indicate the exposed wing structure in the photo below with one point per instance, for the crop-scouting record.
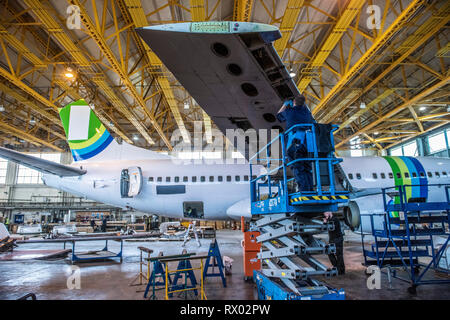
(230, 68)
(40, 164)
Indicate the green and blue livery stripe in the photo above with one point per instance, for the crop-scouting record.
(97, 138)
(417, 177)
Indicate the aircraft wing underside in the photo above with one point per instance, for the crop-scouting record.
(40, 164)
(231, 69)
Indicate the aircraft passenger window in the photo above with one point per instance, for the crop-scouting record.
(245, 178)
(228, 178)
(414, 174)
(220, 178)
(194, 179)
(177, 179)
(437, 174)
(211, 178)
(430, 174)
(399, 175)
(391, 176)
(185, 179)
(383, 176)
(374, 175)
(444, 173)
(350, 176)
(159, 179)
(237, 178)
(167, 179)
(358, 176)
(406, 175)
(150, 179)
(422, 174)
(202, 179)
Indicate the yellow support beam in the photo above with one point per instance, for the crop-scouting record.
(287, 25)
(432, 25)
(21, 48)
(242, 10)
(7, 128)
(380, 42)
(198, 12)
(139, 19)
(403, 106)
(344, 21)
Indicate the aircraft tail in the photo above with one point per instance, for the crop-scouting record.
(86, 135)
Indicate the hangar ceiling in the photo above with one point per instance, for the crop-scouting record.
(379, 68)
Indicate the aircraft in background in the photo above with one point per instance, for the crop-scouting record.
(240, 81)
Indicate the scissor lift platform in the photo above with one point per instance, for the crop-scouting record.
(287, 221)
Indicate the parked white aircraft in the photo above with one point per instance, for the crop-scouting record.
(126, 176)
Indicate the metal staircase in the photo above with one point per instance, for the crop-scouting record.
(406, 239)
(288, 222)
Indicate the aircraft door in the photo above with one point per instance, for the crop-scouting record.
(131, 181)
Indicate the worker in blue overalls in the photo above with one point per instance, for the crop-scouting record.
(295, 112)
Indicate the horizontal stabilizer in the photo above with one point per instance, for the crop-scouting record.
(41, 165)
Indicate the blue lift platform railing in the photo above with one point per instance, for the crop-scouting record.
(408, 227)
(286, 219)
(304, 201)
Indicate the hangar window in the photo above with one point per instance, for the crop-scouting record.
(237, 178)
(220, 178)
(430, 175)
(350, 176)
(27, 175)
(185, 179)
(202, 179)
(220, 50)
(245, 178)
(150, 179)
(382, 175)
(177, 179)
(406, 175)
(358, 176)
(228, 178)
(211, 178)
(194, 179)
(437, 174)
(414, 174)
(374, 175)
(159, 179)
(3, 167)
(167, 179)
(391, 176)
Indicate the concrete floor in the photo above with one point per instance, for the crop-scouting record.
(110, 280)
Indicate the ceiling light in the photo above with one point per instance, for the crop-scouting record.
(292, 73)
(423, 108)
(69, 73)
(362, 105)
(186, 105)
(135, 138)
(376, 133)
(2, 108)
(32, 121)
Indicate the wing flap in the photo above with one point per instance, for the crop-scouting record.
(41, 165)
(236, 76)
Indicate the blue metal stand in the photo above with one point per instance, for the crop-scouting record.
(98, 255)
(407, 234)
(286, 220)
(214, 253)
(157, 279)
(184, 267)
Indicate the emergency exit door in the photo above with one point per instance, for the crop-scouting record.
(131, 182)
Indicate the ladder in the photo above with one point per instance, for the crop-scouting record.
(289, 221)
(406, 239)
